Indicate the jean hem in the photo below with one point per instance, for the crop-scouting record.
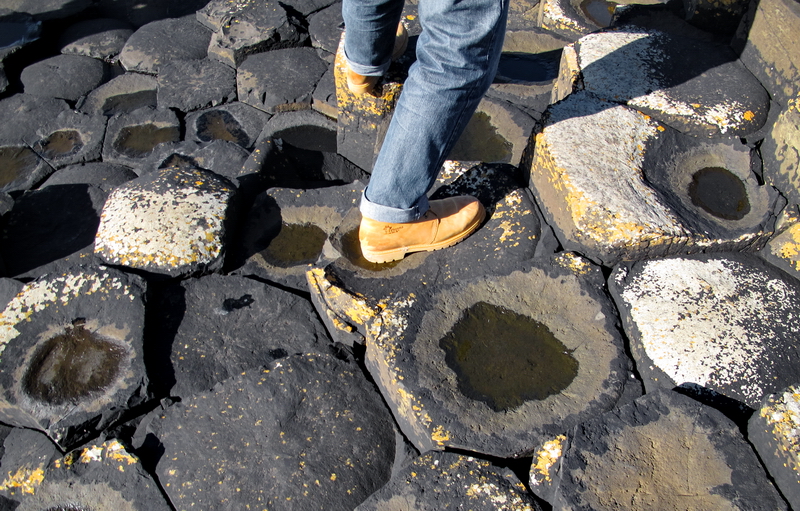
(392, 215)
(363, 70)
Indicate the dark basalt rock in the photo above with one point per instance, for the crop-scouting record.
(70, 138)
(44, 10)
(131, 138)
(64, 76)
(781, 156)
(72, 353)
(308, 430)
(233, 122)
(221, 157)
(164, 41)
(28, 112)
(25, 455)
(101, 38)
(105, 176)
(141, 12)
(188, 85)
(21, 168)
(324, 97)
(217, 327)
(121, 95)
(324, 27)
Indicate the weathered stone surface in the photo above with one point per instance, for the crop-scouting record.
(308, 430)
(670, 202)
(234, 122)
(141, 12)
(27, 112)
(280, 80)
(324, 27)
(63, 76)
(170, 222)
(244, 27)
(768, 47)
(105, 176)
(221, 157)
(26, 454)
(523, 14)
(101, 38)
(663, 451)
(773, 430)
(193, 84)
(72, 353)
(19, 30)
(570, 19)
(130, 138)
(163, 41)
(783, 250)
(288, 229)
(324, 97)
(716, 17)
(216, 327)
(123, 94)
(439, 480)
(20, 168)
(49, 224)
(70, 138)
(102, 476)
(6, 203)
(781, 153)
(723, 323)
(43, 10)
(672, 74)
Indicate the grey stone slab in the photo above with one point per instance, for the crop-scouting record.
(323, 100)
(28, 112)
(123, 94)
(105, 176)
(48, 9)
(781, 154)
(8, 290)
(49, 224)
(325, 27)
(217, 327)
(234, 122)
(436, 481)
(523, 14)
(664, 451)
(308, 430)
(221, 157)
(773, 431)
(72, 353)
(567, 18)
(163, 41)
(722, 323)
(26, 455)
(100, 38)
(104, 476)
(20, 167)
(172, 222)
(70, 138)
(188, 85)
(280, 80)
(131, 138)
(64, 76)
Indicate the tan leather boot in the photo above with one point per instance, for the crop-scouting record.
(359, 84)
(447, 222)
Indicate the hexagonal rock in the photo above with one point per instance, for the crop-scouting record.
(324, 97)
(235, 122)
(28, 112)
(63, 76)
(280, 80)
(245, 27)
(102, 476)
(20, 167)
(221, 157)
(324, 28)
(122, 95)
(671, 73)
(71, 349)
(26, 455)
(49, 224)
(768, 47)
(130, 138)
(774, 431)
(443, 480)
(637, 189)
(105, 176)
(309, 431)
(169, 222)
(101, 38)
(781, 153)
(663, 451)
(163, 41)
(216, 327)
(70, 138)
(288, 229)
(189, 85)
(724, 323)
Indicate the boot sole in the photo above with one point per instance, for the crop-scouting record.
(387, 256)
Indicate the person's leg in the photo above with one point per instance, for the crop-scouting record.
(370, 28)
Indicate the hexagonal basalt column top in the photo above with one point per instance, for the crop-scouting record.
(170, 222)
(71, 353)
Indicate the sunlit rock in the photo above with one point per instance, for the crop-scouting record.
(188, 85)
(64, 76)
(164, 41)
(101, 38)
(123, 94)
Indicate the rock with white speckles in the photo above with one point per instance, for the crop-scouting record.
(439, 480)
(130, 138)
(101, 476)
(163, 41)
(123, 94)
(101, 38)
(189, 85)
(308, 432)
(71, 353)
(220, 326)
(783, 250)
(169, 222)
(663, 451)
(725, 323)
(774, 431)
(635, 188)
(234, 122)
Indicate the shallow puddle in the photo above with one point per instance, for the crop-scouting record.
(295, 244)
(720, 193)
(504, 359)
(221, 125)
(481, 142)
(599, 12)
(139, 141)
(14, 161)
(60, 144)
(351, 250)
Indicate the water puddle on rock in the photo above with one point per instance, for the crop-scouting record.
(720, 193)
(139, 141)
(295, 244)
(14, 161)
(351, 250)
(73, 366)
(481, 142)
(599, 12)
(60, 144)
(221, 125)
(504, 359)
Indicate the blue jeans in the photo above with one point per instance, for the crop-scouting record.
(457, 56)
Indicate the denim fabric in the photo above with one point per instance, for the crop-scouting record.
(457, 56)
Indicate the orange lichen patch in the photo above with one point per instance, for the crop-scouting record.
(24, 479)
(544, 459)
(787, 245)
(749, 115)
(345, 307)
(782, 416)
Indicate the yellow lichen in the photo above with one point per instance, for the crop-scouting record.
(24, 479)
(545, 458)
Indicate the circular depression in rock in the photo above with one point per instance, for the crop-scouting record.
(599, 12)
(221, 125)
(482, 142)
(309, 137)
(14, 161)
(295, 244)
(139, 141)
(503, 358)
(61, 144)
(73, 366)
(720, 193)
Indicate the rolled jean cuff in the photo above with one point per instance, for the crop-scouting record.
(392, 215)
(368, 70)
